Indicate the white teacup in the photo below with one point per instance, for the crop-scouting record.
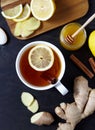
(58, 85)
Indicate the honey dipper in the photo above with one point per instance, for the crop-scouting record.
(70, 38)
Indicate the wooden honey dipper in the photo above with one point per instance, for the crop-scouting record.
(70, 38)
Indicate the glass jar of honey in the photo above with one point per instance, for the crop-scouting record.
(78, 40)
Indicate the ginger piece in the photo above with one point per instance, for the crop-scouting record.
(31, 24)
(34, 106)
(81, 92)
(17, 30)
(73, 115)
(63, 105)
(27, 98)
(60, 112)
(21, 30)
(42, 118)
(29, 101)
(27, 27)
(90, 106)
(66, 126)
(26, 33)
(83, 106)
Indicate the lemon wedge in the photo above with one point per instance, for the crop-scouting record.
(91, 42)
(41, 57)
(12, 12)
(24, 15)
(42, 9)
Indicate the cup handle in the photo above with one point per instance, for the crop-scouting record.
(61, 88)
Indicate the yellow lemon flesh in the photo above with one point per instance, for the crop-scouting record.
(24, 15)
(41, 57)
(42, 9)
(13, 12)
(91, 42)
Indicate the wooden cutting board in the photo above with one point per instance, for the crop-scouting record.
(66, 11)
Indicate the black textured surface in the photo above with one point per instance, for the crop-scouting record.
(13, 114)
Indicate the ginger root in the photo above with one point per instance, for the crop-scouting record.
(83, 106)
(30, 102)
(42, 118)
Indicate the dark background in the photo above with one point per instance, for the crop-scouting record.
(13, 114)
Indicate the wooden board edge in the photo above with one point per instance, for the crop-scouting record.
(36, 34)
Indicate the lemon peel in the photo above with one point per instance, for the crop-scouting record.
(42, 9)
(12, 12)
(24, 15)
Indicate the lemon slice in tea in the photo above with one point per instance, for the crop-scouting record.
(12, 12)
(42, 9)
(41, 57)
(24, 15)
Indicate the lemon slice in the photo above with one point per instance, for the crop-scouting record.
(12, 12)
(91, 42)
(41, 57)
(42, 9)
(25, 14)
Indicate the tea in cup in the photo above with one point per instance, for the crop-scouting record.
(44, 79)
